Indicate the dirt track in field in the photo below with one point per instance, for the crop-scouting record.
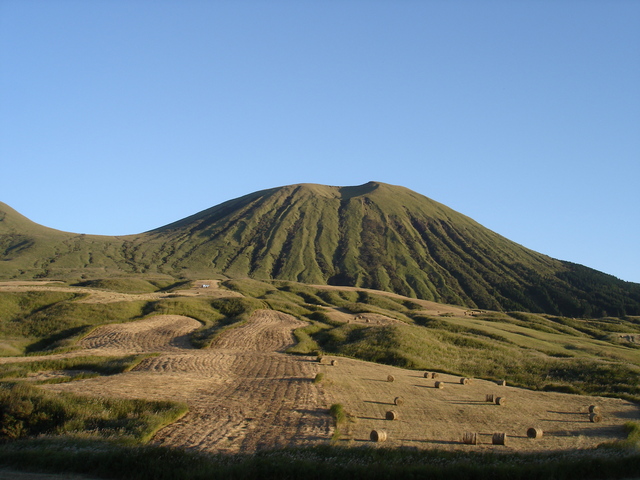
(245, 394)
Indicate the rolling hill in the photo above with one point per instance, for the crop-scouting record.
(245, 367)
(374, 235)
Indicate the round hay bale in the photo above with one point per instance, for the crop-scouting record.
(427, 375)
(595, 418)
(499, 439)
(534, 432)
(489, 397)
(334, 363)
(378, 435)
(434, 375)
(501, 400)
(464, 381)
(390, 378)
(391, 415)
(319, 359)
(470, 438)
(439, 385)
(594, 409)
(502, 383)
(398, 401)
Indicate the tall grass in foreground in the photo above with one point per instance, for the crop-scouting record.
(27, 411)
(99, 458)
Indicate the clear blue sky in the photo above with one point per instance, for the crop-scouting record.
(117, 117)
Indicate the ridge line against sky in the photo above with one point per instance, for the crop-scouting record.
(120, 117)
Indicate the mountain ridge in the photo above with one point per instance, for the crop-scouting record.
(373, 235)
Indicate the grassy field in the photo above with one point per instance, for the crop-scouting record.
(37, 322)
(543, 352)
(592, 367)
(133, 284)
(535, 351)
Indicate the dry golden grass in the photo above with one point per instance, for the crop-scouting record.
(245, 394)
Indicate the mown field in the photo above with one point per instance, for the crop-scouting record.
(534, 351)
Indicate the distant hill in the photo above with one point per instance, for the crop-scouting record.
(374, 235)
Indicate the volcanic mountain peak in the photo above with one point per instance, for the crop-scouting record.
(373, 235)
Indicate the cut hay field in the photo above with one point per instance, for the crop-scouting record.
(430, 417)
(243, 393)
(258, 384)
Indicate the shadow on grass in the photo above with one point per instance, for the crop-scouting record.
(365, 460)
(379, 403)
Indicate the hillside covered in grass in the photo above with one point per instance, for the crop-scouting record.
(536, 351)
(67, 431)
(375, 236)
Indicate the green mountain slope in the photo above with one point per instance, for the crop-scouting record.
(374, 235)
(29, 250)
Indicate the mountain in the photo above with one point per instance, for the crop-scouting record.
(374, 235)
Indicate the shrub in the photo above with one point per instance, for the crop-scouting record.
(28, 411)
(337, 413)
